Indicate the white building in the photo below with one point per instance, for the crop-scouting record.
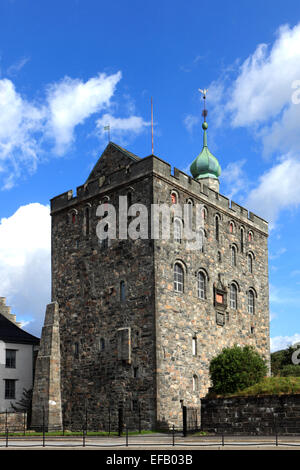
(17, 352)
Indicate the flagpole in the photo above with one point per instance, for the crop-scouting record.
(152, 124)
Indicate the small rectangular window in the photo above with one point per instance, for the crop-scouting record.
(10, 359)
(122, 291)
(10, 389)
(220, 319)
(124, 345)
(194, 346)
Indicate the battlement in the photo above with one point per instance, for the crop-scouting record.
(153, 165)
(193, 186)
(5, 310)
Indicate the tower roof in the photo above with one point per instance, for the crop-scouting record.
(205, 164)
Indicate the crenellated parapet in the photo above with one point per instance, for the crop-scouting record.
(153, 165)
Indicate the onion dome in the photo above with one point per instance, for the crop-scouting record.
(206, 164)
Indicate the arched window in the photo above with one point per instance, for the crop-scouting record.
(174, 197)
(250, 262)
(217, 227)
(201, 240)
(177, 230)
(233, 296)
(190, 213)
(195, 383)
(178, 278)
(233, 255)
(102, 344)
(72, 216)
(194, 345)
(242, 240)
(250, 236)
(204, 213)
(201, 281)
(219, 257)
(231, 227)
(251, 302)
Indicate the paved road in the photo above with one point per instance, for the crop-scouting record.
(152, 442)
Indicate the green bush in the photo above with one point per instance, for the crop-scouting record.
(290, 371)
(235, 369)
(280, 359)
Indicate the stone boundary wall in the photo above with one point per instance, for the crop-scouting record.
(260, 415)
(14, 421)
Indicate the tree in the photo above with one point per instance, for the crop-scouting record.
(281, 359)
(25, 404)
(236, 368)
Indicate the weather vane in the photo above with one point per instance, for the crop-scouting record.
(204, 93)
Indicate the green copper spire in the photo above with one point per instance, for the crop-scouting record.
(205, 165)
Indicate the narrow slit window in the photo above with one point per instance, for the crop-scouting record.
(194, 346)
(201, 285)
(251, 303)
(178, 278)
(233, 296)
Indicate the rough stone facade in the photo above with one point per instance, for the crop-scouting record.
(126, 337)
(261, 415)
(46, 397)
(13, 421)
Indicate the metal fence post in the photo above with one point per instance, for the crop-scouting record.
(86, 417)
(109, 420)
(43, 426)
(173, 435)
(126, 429)
(184, 421)
(25, 419)
(140, 424)
(276, 431)
(83, 436)
(6, 437)
(120, 419)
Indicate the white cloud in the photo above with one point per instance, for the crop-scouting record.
(29, 130)
(25, 249)
(259, 93)
(17, 66)
(190, 122)
(278, 189)
(282, 342)
(21, 123)
(263, 87)
(121, 127)
(234, 178)
(71, 101)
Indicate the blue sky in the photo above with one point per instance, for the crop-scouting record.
(69, 67)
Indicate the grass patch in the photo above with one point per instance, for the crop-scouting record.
(271, 386)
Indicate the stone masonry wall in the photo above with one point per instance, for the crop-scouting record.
(182, 316)
(87, 278)
(156, 369)
(262, 415)
(13, 421)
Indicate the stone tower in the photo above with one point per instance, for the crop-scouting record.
(141, 319)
